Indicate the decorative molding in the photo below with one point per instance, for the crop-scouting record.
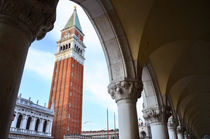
(125, 90)
(157, 114)
(38, 16)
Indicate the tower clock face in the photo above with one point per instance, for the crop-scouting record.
(67, 35)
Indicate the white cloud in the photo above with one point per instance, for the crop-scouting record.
(40, 62)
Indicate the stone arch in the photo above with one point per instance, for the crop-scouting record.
(28, 123)
(44, 126)
(37, 124)
(113, 39)
(19, 121)
(151, 97)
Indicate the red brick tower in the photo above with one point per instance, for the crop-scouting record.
(67, 82)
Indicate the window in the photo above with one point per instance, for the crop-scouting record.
(37, 124)
(72, 74)
(19, 121)
(69, 105)
(28, 123)
(71, 83)
(44, 126)
(72, 65)
(70, 94)
(69, 116)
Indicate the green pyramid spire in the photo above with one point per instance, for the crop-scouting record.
(73, 21)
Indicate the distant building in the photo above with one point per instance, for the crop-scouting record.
(67, 84)
(100, 134)
(31, 120)
(144, 133)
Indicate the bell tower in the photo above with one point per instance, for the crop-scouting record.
(67, 82)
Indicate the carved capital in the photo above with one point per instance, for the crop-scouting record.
(172, 122)
(38, 15)
(125, 90)
(156, 114)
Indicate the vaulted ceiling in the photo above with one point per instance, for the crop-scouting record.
(174, 36)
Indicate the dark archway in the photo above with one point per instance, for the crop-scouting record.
(19, 121)
(28, 123)
(44, 126)
(37, 124)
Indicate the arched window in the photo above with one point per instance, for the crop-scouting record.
(69, 45)
(37, 124)
(28, 123)
(44, 126)
(66, 46)
(143, 134)
(19, 121)
(61, 48)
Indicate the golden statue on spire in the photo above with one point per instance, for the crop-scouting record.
(75, 7)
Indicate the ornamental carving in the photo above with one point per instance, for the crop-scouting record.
(156, 114)
(125, 90)
(38, 15)
(172, 122)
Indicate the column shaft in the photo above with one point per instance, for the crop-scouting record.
(40, 128)
(23, 122)
(128, 124)
(32, 125)
(159, 130)
(172, 132)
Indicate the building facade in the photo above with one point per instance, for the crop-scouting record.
(31, 120)
(67, 83)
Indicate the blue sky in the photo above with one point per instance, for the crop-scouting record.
(37, 76)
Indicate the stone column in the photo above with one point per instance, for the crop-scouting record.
(14, 122)
(40, 127)
(126, 94)
(180, 132)
(50, 127)
(156, 118)
(185, 135)
(23, 122)
(172, 124)
(20, 23)
(32, 125)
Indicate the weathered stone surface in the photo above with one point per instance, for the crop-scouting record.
(38, 15)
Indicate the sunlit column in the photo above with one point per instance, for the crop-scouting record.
(180, 134)
(32, 125)
(126, 94)
(14, 122)
(23, 122)
(172, 124)
(156, 117)
(50, 127)
(40, 128)
(20, 23)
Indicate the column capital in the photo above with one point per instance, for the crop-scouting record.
(37, 16)
(172, 122)
(127, 89)
(156, 114)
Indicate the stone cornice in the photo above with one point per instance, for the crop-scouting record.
(126, 89)
(38, 16)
